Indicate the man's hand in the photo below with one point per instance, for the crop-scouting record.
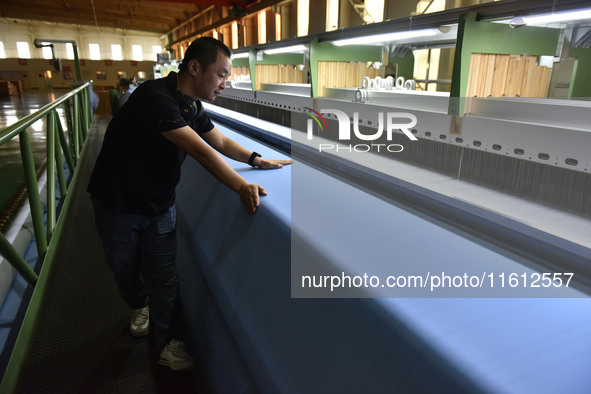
(249, 196)
(233, 150)
(265, 164)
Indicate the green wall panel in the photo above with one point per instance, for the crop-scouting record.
(580, 84)
(406, 65)
(488, 37)
(325, 51)
(240, 62)
(279, 58)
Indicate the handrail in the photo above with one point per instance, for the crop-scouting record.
(78, 121)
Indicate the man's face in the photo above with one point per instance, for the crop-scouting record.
(211, 82)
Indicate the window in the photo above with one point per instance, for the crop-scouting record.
(69, 50)
(375, 11)
(116, 53)
(262, 18)
(234, 35)
(47, 52)
(156, 49)
(303, 17)
(2, 53)
(136, 53)
(332, 15)
(95, 51)
(22, 49)
(434, 6)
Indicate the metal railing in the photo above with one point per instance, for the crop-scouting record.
(77, 110)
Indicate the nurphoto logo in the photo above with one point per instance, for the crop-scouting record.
(409, 121)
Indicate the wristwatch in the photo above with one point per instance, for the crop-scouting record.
(253, 156)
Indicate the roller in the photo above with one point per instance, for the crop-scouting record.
(410, 85)
(361, 95)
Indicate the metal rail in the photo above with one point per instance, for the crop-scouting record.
(77, 110)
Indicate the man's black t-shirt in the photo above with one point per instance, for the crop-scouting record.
(138, 169)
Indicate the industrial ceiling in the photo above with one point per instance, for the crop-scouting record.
(158, 16)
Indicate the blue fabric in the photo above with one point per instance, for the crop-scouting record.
(141, 252)
(248, 318)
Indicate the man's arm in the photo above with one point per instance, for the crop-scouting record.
(189, 141)
(230, 148)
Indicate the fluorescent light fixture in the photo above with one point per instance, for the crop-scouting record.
(293, 48)
(239, 55)
(555, 17)
(387, 37)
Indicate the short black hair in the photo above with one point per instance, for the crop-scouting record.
(205, 50)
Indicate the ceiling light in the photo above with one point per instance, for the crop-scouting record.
(388, 37)
(239, 55)
(555, 17)
(290, 49)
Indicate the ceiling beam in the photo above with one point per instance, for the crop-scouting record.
(154, 16)
(256, 7)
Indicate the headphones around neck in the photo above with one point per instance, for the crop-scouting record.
(189, 108)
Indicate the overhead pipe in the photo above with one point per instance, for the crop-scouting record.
(39, 43)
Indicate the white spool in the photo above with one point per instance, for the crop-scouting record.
(365, 82)
(410, 84)
(400, 83)
(389, 82)
(377, 82)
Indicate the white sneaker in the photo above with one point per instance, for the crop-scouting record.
(140, 322)
(176, 357)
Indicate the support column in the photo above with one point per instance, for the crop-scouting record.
(395, 9)
(317, 15)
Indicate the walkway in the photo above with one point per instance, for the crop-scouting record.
(83, 344)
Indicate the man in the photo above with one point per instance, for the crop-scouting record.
(133, 186)
(126, 91)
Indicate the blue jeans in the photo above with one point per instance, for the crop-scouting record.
(141, 252)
